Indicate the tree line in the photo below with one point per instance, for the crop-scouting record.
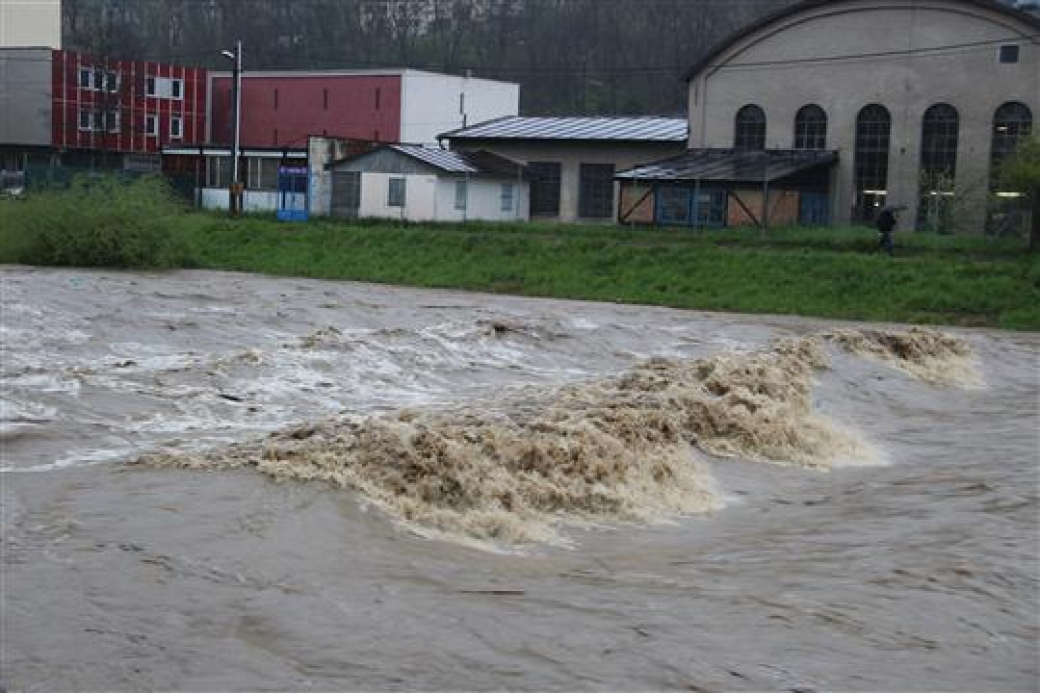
(574, 57)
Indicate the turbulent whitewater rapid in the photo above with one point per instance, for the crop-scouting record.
(462, 491)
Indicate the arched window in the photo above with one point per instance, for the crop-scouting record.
(939, 132)
(750, 128)
(810, 128)
(873, 130)
(1012, 123)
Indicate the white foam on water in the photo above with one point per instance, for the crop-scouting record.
(83, 459)
(612, 451)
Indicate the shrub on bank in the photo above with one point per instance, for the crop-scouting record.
(101, 221)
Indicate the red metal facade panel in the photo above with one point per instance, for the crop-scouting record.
(284, 111)
(129, 100)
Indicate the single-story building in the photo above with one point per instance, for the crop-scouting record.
(203, 172)
(730, 187)
(416, 183)
(206, 171)
(572, 161)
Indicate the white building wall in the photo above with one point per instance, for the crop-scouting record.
(420, 197)
(432, 104)
(789, 64)
(253, 201)
(484, 201)
(30, 23)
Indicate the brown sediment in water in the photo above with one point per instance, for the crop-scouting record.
(928, 355)
(610, 451)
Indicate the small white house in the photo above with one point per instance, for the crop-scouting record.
(416, 183)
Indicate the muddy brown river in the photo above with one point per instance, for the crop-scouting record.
(846, 523)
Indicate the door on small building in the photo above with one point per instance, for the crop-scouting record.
(346, 194)
(814, 208)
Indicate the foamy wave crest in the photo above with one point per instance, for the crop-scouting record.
(611, 451)
(928, 355)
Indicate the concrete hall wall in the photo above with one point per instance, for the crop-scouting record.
(895, 58)
(25, 96)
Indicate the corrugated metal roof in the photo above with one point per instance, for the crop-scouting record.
(452, 162)
(647, 129)
(731, 165)
(478, 163)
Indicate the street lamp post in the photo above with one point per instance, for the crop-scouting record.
(235, 189)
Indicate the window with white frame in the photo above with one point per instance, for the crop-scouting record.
(151, 125)
(507, 197)
(395, 196)
(461, 194)
(164, 87)
(176, 127)
(98, 80)
(103, 121)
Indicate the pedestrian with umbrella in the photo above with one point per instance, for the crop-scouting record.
(886, 224)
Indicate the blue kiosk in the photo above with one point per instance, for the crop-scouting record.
(292, 193)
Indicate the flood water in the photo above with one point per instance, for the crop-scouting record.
(918, 569)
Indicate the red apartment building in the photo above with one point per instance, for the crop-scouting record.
(60, 106)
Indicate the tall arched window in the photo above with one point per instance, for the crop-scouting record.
(873, 130)
(810, 128)
(939, 132)
(750, 128)
(1012, 123)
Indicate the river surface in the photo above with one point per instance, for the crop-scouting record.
(920, 573)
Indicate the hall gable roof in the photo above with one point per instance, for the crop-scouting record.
(806, 5)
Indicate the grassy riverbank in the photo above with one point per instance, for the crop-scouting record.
(820, 272)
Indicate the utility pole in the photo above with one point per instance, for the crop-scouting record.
(235, 191)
